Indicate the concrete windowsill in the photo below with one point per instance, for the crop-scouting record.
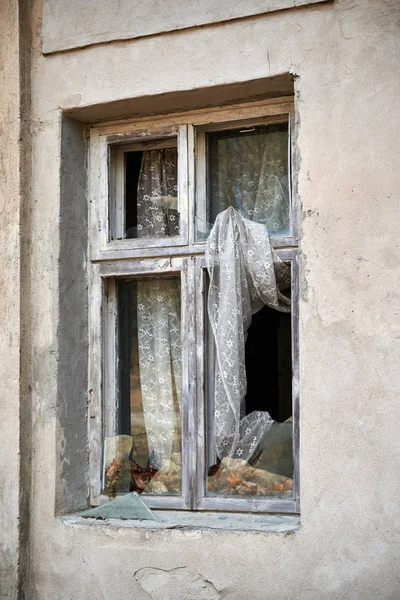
(166, 519)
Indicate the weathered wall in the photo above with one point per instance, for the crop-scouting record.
(346, 57)
(77, 24)
(10, 196)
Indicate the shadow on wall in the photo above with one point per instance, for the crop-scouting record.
(72, 442)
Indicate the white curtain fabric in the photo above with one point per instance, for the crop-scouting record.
(250, 173)
(159, 312)
(245, 274)
(159, 336)
(157, 197)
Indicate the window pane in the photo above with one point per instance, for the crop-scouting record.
(248, 169)
(145, 455)
(151, 196)
(266, 415)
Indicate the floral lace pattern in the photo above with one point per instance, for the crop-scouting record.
(159, 312)
(245, 273)
(157, 196)
(159, 337)
(250, 173)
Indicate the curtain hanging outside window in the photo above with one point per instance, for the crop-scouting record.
(245, 274)
(249, 171)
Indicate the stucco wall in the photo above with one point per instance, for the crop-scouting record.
(76, 24)
(10, 199)
(346, 57)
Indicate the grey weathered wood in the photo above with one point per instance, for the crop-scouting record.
(189, 381)
(149, 267)
(191, 177)
(293, 177)
(109, 164)
(201, 383)
(95, 360)
(253, 504)
(125, 254)
(119, 132)
(246, 122)
(295, 380)
(110, 354)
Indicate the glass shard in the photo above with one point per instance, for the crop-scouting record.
(129, 506)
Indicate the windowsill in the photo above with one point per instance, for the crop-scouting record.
(168, 519)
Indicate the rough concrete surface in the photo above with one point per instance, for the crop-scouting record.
(345, 55)
(181, 583)
(10, 198)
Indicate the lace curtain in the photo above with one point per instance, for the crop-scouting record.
(157, 194)
(245, 273)
(250, 173)
(159, 312)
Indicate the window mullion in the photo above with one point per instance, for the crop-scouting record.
(117, 193)
(191, 170)
(189, 424)
(201, 436)
(183, 207)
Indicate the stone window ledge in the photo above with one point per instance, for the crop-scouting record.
(280, 524)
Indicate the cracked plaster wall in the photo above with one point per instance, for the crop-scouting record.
(346, 56)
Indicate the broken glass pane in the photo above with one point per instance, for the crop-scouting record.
(254, 455)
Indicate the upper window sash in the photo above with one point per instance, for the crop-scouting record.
(201, 191)
(108, 189)
(108, 138)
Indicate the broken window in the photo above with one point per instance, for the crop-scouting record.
(196, 281)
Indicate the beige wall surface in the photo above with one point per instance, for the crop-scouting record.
(345, 56)
(75, 23)
(9, 299)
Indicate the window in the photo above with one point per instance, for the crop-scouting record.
(160, 421)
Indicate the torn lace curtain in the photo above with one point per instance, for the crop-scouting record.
(245, 274)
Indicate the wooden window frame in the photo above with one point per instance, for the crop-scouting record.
(132, 258)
